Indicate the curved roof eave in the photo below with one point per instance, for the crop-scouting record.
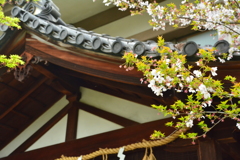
(84, 51)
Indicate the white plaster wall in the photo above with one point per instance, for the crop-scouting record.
(89, 124)
(54, 136)
(119, 106)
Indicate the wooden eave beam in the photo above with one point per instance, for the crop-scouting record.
(32, 139)
(90, 144)
(123, 95)
(38, 83)
(82, 63)
(139, 89)
(107, 115)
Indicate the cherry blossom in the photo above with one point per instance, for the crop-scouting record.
(202, 88)
(238, 125)
(198, 81)
(189, 123)
(197, 73)
(213, 71)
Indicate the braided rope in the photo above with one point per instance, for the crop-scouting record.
(144, 144)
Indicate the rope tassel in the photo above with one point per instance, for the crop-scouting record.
(151, 155)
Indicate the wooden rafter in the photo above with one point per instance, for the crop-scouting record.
(104, 18)
(169, 34)
(15, 112)
(44, 71)
(25, 95)
(29, 122)
(41, 131)
(87, 145)
(7, 127)
(58, 83)
(101, 19)
(107, 115)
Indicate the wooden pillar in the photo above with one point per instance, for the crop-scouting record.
(208, 150)
(71, 131)
(72, 121)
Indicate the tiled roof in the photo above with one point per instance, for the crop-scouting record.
(44, 17)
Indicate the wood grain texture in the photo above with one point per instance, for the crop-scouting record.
(25, 95)
(87, 65)
(72, 123)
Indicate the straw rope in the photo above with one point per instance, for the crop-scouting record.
(144, 144)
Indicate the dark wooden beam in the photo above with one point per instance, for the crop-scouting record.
(72, 121)
(208, 150)
(90, 144)
(181, 145)
(29, 122)
(231, 150)
(123, 95)
(223, 132)
(137, 93)
(17, 91)
(102, 18)
(25, 145)
(107, 115)
(95, 64)
(38, 83)
(44, 71)
(168, 34)
(58, 83)
(15, 112)
(7, 127)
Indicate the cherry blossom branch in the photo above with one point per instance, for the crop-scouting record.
(204, 134)
(222, 24)
(237, 3)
